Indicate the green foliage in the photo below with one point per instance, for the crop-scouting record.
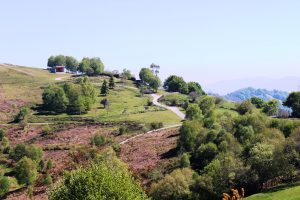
(91, 66)
(193, 112)
(257, 102)
(207, 104)
(174, 186)
(176, 84)
(5, 145)
(71, 64)
(98, 140)
(206, 153)
(148, 78)
(1, 134)
(245, 107)
(32, 151)
(71, 98)
(49, 164)
(59, 60)
(47, 180)
(185, 160)
(106, 179)
(188, 135)
(26, 172)
(195, 87)
(54, 99)
(104, 88)
(174, 99)
(156, 125)
(4, 185)
(22, 115)
(111, 83)
(293, 101)
(271, 108)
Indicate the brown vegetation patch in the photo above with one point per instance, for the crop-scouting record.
(145, 152)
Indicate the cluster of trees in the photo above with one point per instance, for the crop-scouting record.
(221, 151)
(89, 66)
(177, 84)
(150, 78)
(73, 98)
(270, 108)
(29, 163)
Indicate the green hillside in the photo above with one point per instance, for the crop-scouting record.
(292, 193)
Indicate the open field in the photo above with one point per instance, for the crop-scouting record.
(21, 86)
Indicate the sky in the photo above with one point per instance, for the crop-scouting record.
(204, 41)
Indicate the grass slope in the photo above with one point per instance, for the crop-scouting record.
(289, 193)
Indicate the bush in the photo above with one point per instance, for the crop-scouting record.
(47, 180)
(22, 116)
(245, 107)
(156, 125)
(1, 134)
(4, 185)
(185, 160)
(31, 151)
(26, 172)
(98, 140)
(116, 147)
(173, 186)
(193, 112)
(49, 164)
(123, 130)
(107, 179)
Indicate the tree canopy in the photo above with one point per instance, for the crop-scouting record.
(293, 101)
(105, 179)
(91, 66)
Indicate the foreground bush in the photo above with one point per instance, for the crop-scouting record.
(4, 185)
(106, 179)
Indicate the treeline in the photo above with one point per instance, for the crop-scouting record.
(88, 66)
(225, 150)
(73, 98)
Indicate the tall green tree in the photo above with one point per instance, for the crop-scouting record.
(195, 87)
(111, 83)
(91, 66)
(193, 112)
(293, 101)
(71, 64)
(176, 84)
(54, 99)
(104, 88)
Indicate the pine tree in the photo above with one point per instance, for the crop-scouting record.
(104, 88)
(111, 82)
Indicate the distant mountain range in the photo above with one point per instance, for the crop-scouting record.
(287, 84)
(247, 93)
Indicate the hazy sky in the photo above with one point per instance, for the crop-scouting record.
(206, 41)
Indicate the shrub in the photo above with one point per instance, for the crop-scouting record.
(26, 172)
(107, 179)
(31, 151)
(4, 185)
(173, 186)
(193, 112)
(156, 125)
(22, 116)
(123, 130)
(185, 160)
(47, 179)
(116, 147)
(1, 134)
(49, 164)
(245, 107)
(98, 140)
